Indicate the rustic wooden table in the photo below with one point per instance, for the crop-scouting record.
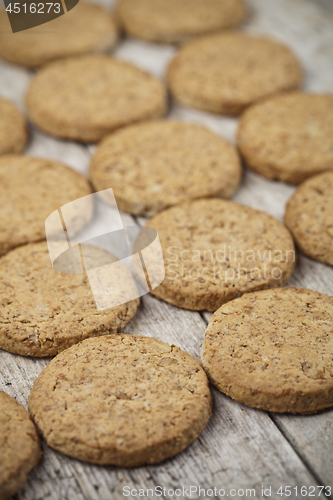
(241, 448)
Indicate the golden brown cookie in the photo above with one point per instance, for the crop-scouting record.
(30, 190)
(153, 165)
(225, 72)
(140, 401)
(172, 21)
(44, 311)
(86, 28)
(19, 445)
(288, 137)
(13, 130)
(273, 350)
(215, 250)
(309, 216)
(85, 98)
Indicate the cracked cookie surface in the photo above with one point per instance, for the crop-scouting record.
(19, 445)
(140, 401)
(309, 216)
(153, 165)
(44, 311)
(273, 350)
(215, 250)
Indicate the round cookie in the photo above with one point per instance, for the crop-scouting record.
(30, 190)
(172, 21)
(19, 444)
(288, 137)
(13, 130)
(225, 72)
(44, 311)
(309, 216)
(153, 165)
(215, 250)
(140, 401)
(273, 350)
(87, 28)
(87, 97)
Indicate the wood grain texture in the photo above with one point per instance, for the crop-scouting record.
(241, 447)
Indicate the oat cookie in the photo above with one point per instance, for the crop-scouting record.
(30, 190)
(172, 21)
(288, 137)
(153, 165)
(87, 28)
(13, 130)
(215, 250)
(85, 98)
(309, 216)
(224, 73)
(140, 401)
(273, 350)
(44, 311)
(19, 445)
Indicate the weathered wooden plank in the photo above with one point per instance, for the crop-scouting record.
(13, 82)
(72, 154)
